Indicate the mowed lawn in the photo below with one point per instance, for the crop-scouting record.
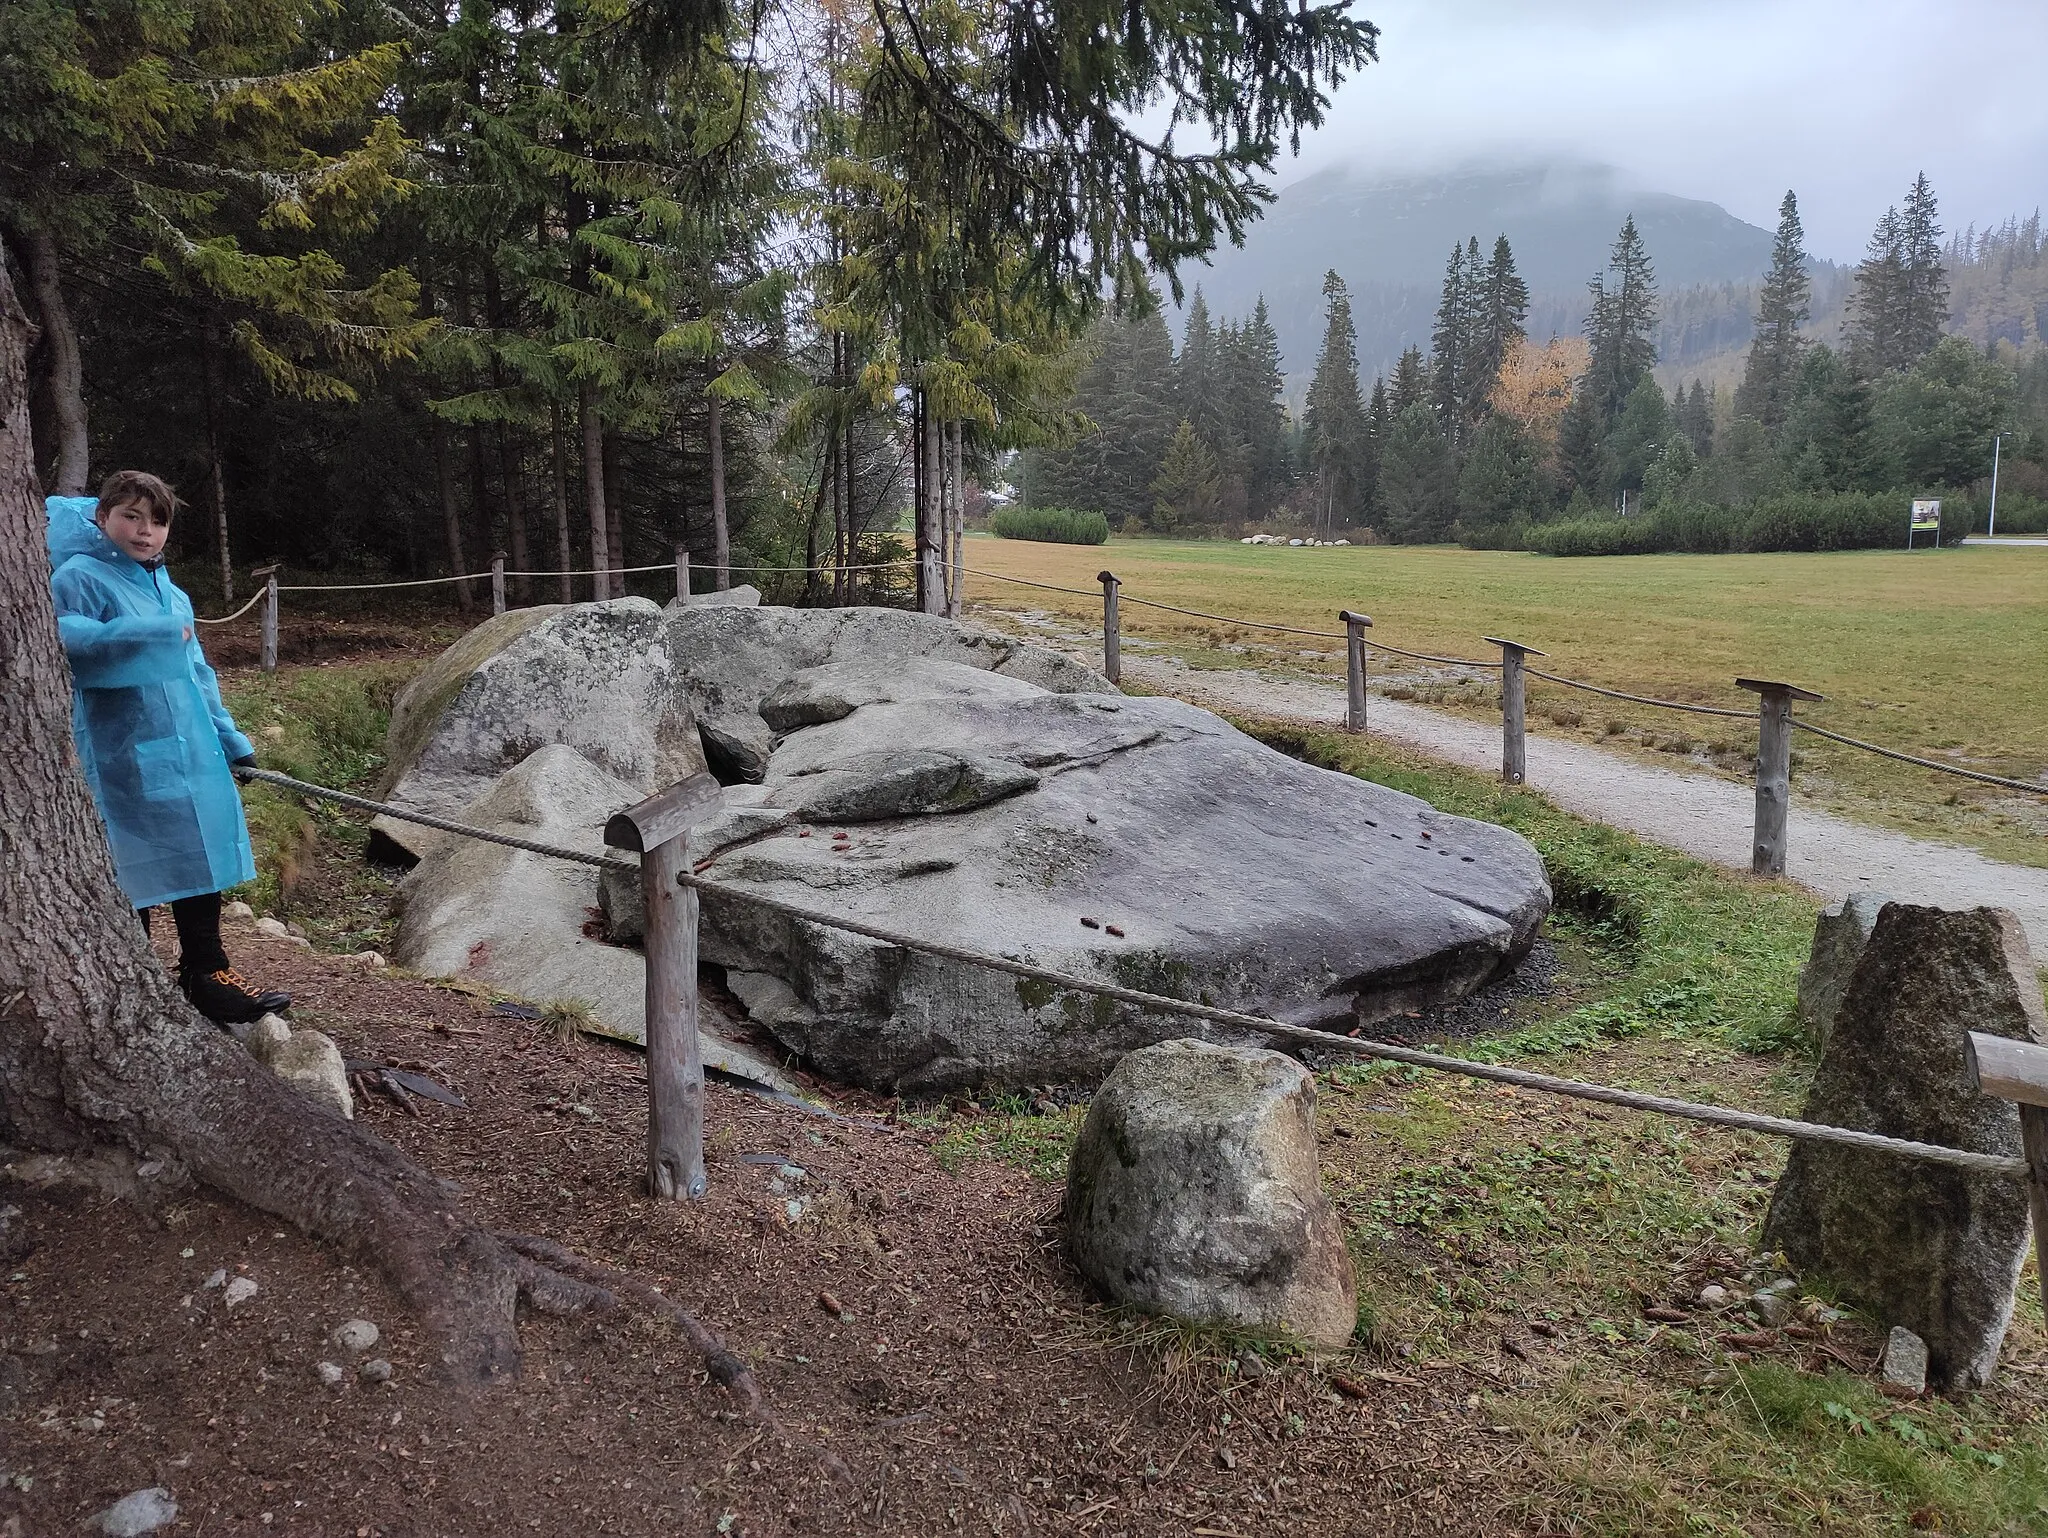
(1942, 654)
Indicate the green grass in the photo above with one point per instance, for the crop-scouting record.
(1473, 1211)
(1937, 654)
(325, 725)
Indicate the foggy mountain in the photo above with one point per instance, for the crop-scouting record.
(1389, 237)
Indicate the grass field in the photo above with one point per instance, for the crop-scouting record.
(1517, 1238)
(1942, 655)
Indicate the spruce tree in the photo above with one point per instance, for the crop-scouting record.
(1187, 491)
(1781, 309)
(1497, 484)
(1900, 306)
(1410, 384)
(1334, 421)
(1503, 311)
(1826, 443)
(1621, 326)
(1694, 415)
(1254, 383)
(1416, 496)
(1637, 436)
(1923, 281)
(1451, 348)
(1579, 465)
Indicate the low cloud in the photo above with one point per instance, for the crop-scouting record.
(1729, 100)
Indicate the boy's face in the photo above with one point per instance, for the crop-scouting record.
(138, 528)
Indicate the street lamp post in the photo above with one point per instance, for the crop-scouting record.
(1992, 531)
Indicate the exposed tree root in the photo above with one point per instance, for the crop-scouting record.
(601, 1281)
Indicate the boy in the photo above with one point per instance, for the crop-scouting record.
(158, 748)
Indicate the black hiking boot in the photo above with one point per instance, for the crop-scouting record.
(225, 999)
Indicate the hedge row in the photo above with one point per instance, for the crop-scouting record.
(1049, 525)
(1836, 521)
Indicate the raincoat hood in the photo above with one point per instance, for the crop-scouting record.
(72, 531)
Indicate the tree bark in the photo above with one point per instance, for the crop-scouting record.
(210, 372)
(615, 515)
(558, 486)
(593, 490)
(98, 1048)
(956, 521)
(451, 513)
(721, 532)
(511, 464)
(67, 374)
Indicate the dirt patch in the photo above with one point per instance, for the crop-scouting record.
(969, 1384)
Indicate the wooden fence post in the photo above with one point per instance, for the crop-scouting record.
(269, 652)
(1355, 626)
(1773, 769)
(682, 573)
(1112, 657)
(658, 828)
(2007, 1069)
(497, 582)
(1514, 709)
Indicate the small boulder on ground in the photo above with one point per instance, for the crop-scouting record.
(1928, 1247)
(1839, 935)
(1194, 1191)
(144, 1511)
(306, 1059)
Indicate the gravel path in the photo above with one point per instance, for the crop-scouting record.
(1696, 813)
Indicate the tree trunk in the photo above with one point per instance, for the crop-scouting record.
(593, 490)
(97, 1046)
(511, 464)
(67, 376)
(451, 513)
(615, 513)
(721, 532)
(957, 521)
(210, 373)
(99, 1049)
(558, 486)
(931, 534)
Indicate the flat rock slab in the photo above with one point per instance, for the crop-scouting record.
(1235, 874)
(1934, 1250)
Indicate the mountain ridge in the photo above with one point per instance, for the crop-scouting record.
(1389, 236)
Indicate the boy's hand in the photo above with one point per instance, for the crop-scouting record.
(187, 635)
(238, 765)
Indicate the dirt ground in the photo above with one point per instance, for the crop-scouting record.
(919, 1323)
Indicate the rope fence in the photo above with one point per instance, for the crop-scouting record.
(1414, 1057)
(1773, 775)
(1773, 713)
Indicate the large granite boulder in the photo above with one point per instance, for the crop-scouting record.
(521, 921)
(1005, 822)
(1194, 1190)
(1933, 1249)
(592, 677)
(1839, 935)
(989, 794)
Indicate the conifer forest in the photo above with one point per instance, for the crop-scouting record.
(1569, 444)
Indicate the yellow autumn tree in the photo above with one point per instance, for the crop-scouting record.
(1535, 386)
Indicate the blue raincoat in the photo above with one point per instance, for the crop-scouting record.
(153, 737)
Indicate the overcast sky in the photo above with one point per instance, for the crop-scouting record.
(1728, 100)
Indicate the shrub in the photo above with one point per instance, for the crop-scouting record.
(1049, 525)
(1793, 521)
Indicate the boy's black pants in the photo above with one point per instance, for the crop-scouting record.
(198, 920)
